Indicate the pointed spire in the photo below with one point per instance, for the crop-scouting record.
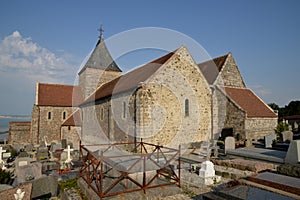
(100, 57)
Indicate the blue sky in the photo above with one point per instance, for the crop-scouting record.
(46, 41)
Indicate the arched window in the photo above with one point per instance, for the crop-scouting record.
(186, 108)
(124, 109)
(49, 115)
(64, 115)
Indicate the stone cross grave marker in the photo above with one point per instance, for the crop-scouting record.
(229, 143)
(287, 136)
(269, 140)
(68, 150)
(1, 151)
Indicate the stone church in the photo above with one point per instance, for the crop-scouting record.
(171, 100)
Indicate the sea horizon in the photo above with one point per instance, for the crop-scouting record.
(5, 119)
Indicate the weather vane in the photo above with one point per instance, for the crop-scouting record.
(100, 31)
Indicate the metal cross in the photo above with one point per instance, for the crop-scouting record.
(101, 30)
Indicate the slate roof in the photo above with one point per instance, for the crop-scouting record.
(58, 95)
(101, 58)
(74, 119)
(250, 103)
(129, 80)
(211, 68)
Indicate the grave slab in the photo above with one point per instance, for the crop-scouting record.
(259, 154)
(278, 181)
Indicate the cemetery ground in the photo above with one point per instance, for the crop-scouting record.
(266, 169)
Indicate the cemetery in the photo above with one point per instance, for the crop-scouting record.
(209, 169)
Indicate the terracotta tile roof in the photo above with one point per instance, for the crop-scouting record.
(129, 80)
(58, 95)
(74, 119)
(211, 68)
(250, 103)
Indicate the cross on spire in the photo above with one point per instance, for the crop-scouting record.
(100, 31)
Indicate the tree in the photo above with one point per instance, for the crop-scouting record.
(281, 126)
(274, 106)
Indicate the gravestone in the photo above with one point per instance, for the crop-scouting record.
(293, 154)
(28, 147)
(269, 140)
(23, 154)
(229, 143)
(55, 147)
(1, 151)
(296, 125)
(43, 186)
(42, 154)
(22, 162)
(43, 144)
(49, 166)
(207, 173)
(29, 172)
(64, 143)
(287, 136)
(6, 155)
(68, 150)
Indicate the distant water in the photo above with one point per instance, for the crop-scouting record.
(4, 122)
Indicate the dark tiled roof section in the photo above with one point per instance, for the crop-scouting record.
(129, 80)
(250, 103)
(292, 117)
(101, 58)
(74, 119)
(211, 68)
(59, 95)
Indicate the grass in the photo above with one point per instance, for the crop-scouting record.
(71, 183)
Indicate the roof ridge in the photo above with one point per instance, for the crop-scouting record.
(129, 83)
(57, 84)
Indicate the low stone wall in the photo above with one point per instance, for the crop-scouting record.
(19, 133)
(289, 169)
(250, 165)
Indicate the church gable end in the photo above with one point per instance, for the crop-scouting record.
(230, 75)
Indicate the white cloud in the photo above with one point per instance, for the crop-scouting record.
(23, 56)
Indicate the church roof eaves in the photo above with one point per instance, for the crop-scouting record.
(129, 80)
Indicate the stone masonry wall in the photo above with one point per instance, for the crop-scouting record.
(34, 125)
(230, 74)
(19, 133)
(49, 129)
(91, 78)
(227, 115)
(162, 114)
(71, 133)
(160, 108)
(257, 128)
